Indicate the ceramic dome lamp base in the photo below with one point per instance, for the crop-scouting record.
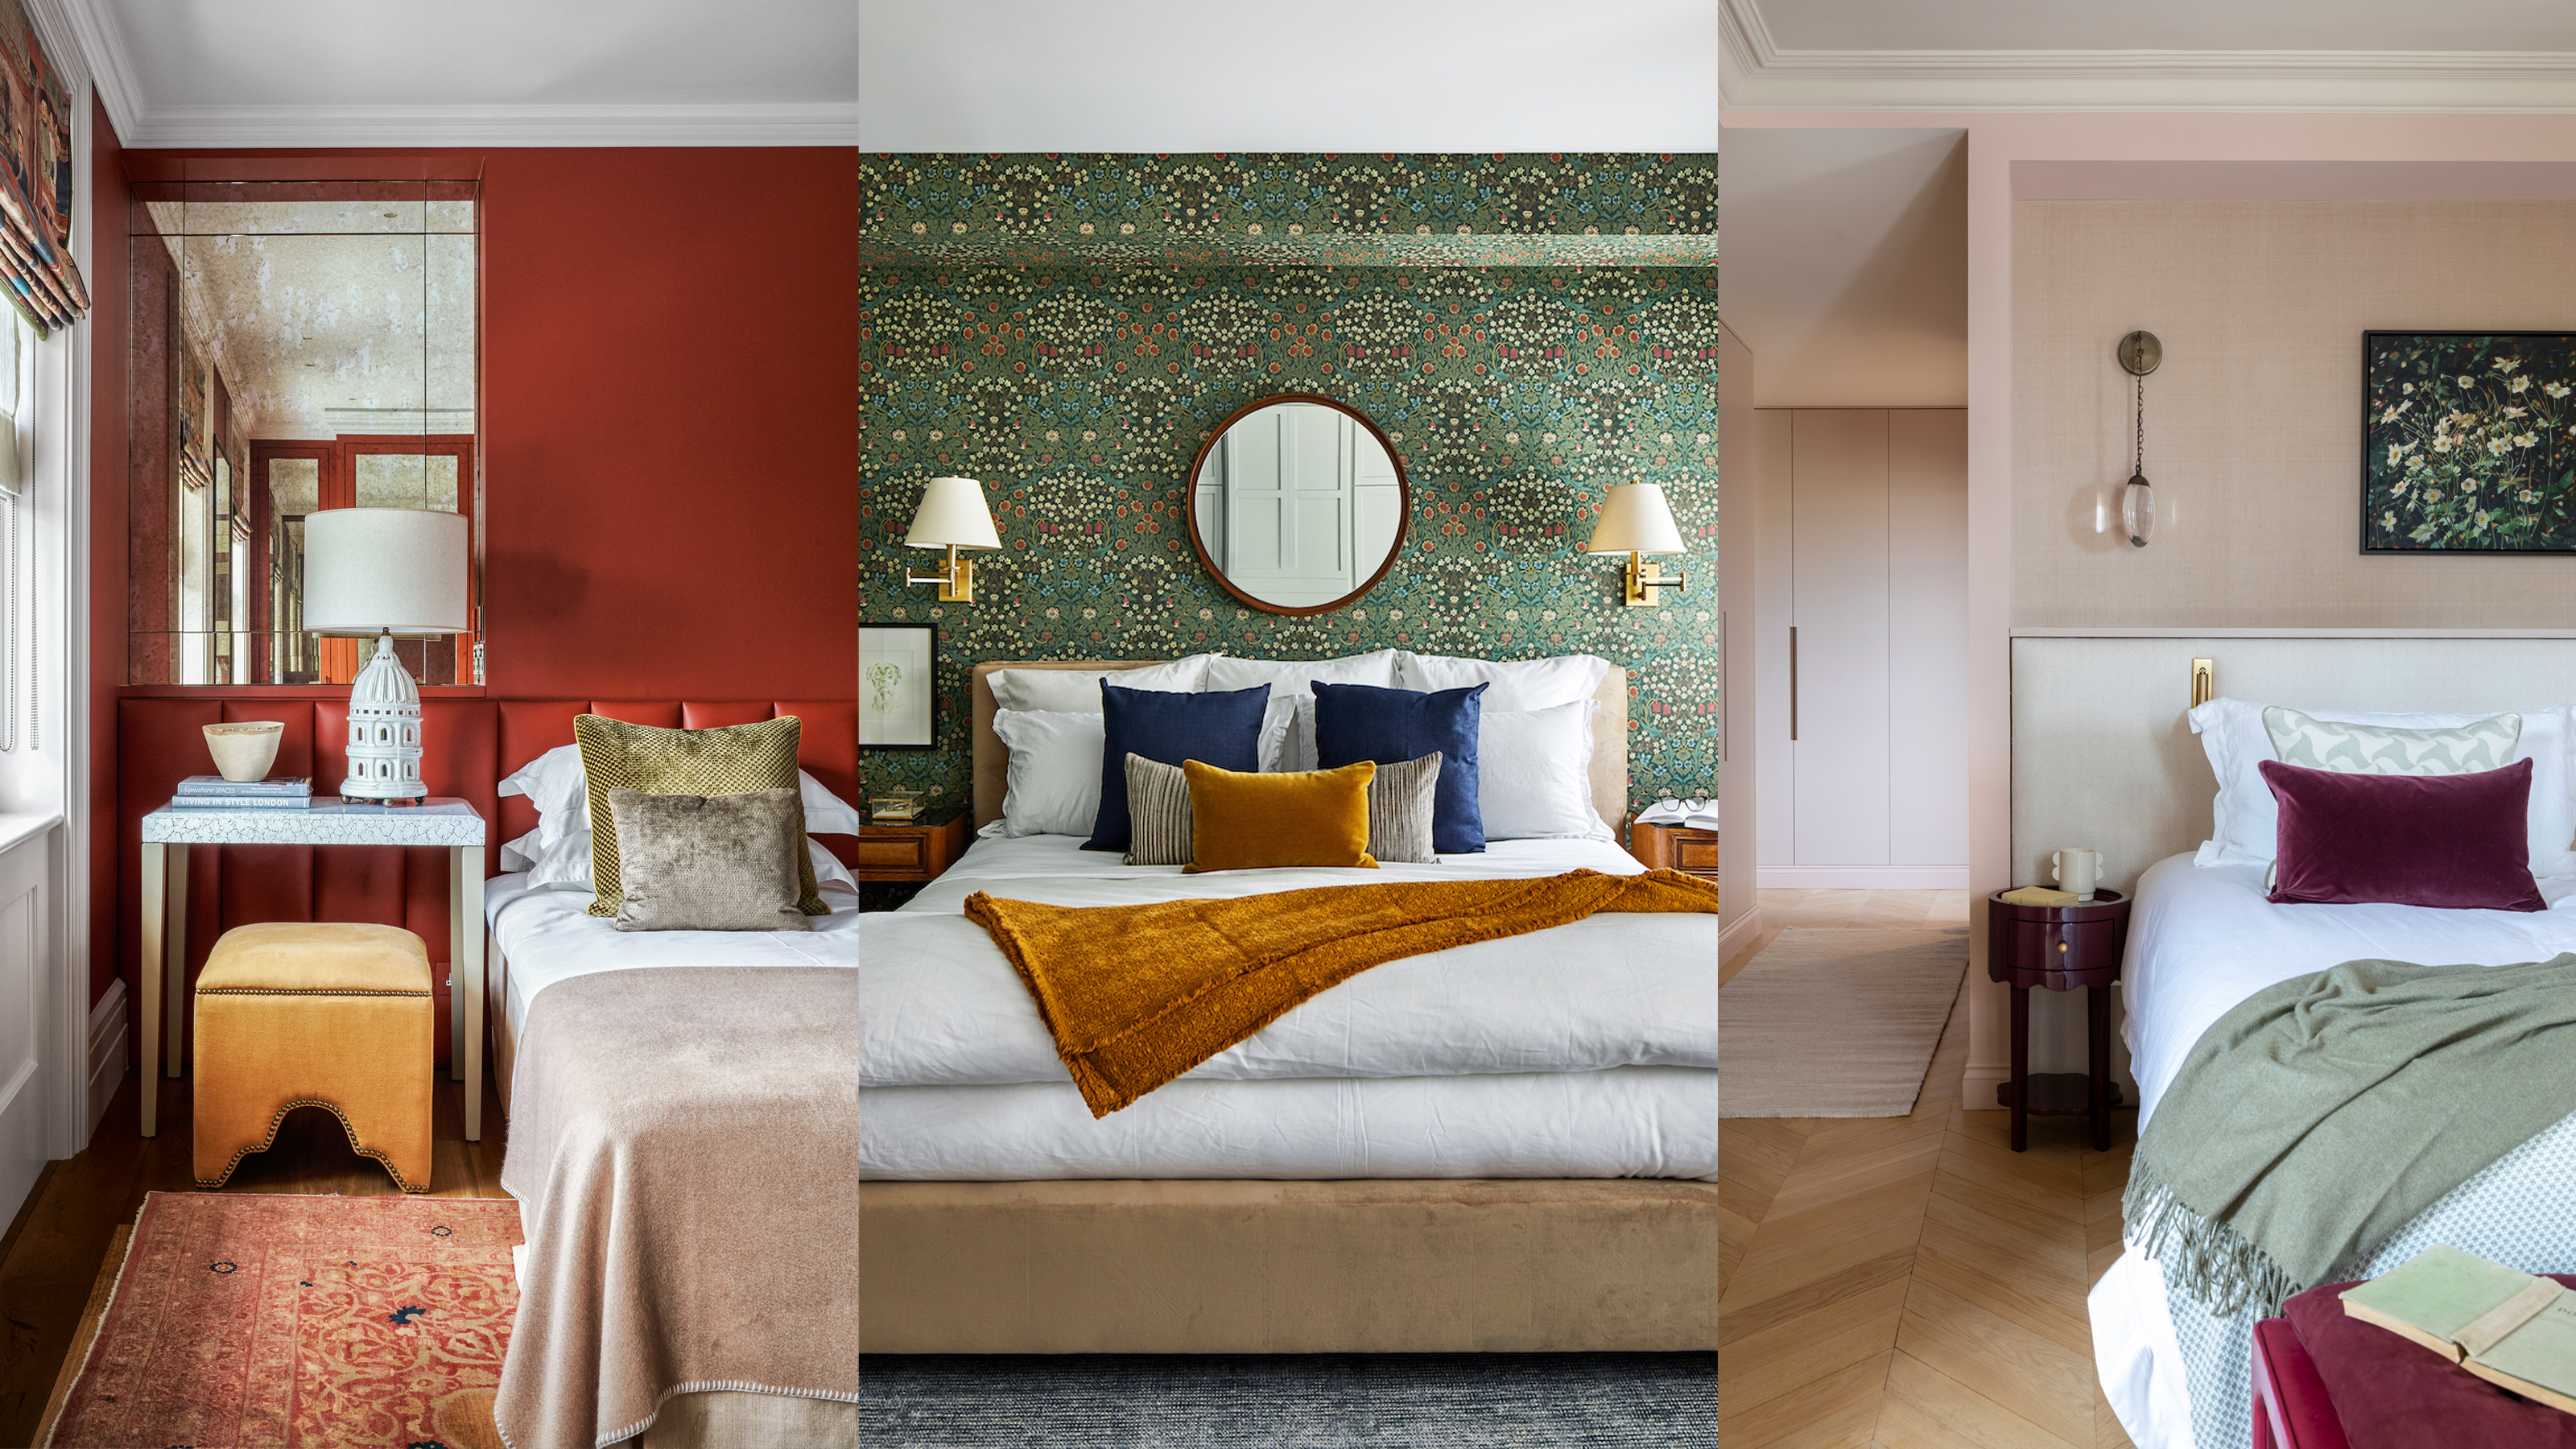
(384, 731)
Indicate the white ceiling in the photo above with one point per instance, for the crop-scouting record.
(1847, 264)
(2266, 55)
(482, 72)
(1324, 75)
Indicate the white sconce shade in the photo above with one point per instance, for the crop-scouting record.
(1636, 519)
(373, 570)
(952, 515)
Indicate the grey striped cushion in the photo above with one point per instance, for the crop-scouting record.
(1158, 802)
(1158, 809)
(1400, 810)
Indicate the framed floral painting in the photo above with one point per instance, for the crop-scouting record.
(897, 709)
(2468, 442)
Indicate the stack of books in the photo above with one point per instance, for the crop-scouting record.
(214, 792)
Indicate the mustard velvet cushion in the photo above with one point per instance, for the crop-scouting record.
(732, 760)
(1241, 820)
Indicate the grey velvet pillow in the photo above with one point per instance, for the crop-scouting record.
(1399, 796)
(709, 862)
(1400, 811)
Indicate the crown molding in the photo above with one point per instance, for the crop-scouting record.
(1756, 73)
(820, 124)
(100, 50)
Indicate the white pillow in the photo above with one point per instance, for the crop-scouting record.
(555, 784)
(1291, 711)
(1077, 691)
(2245, 823)
(1518, 684)
(1534, 777)
(1054, 782)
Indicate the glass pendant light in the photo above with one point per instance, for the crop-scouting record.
(2139, 352)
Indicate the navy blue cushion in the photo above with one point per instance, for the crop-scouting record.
(1222, 728)
(1355, 722)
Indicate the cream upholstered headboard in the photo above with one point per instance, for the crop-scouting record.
(993, 761)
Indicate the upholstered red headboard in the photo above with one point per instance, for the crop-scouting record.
(470, 744)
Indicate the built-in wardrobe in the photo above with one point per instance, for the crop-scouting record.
(1861, 644)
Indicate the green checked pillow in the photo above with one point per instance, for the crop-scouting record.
(733, 760)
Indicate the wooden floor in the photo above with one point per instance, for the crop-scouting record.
(52, 1253)
(1911, 1281)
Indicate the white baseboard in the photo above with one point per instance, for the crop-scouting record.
(106, 1050)
(1747, 928)
(1860, 877)
(1977, 1088)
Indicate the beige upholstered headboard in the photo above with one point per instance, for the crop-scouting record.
(992, 760)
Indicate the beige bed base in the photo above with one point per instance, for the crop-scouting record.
(1362, 1266)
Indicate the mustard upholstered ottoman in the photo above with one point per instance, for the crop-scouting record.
(316, 1015)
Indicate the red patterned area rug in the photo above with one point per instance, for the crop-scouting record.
(246, 1321)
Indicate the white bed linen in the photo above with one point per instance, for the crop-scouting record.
(2202, 939)
(941, 1006)
(545, 936)
(1634, 1122)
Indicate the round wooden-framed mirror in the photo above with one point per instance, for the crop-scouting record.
(1298, 504)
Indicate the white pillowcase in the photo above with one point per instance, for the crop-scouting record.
(1054, 782)
(1518, 684)
(1077, 691)
(2245, 824)
(1291, 711)
(1533, 778)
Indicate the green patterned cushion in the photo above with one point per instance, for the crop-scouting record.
(732, 760)
(2357, 749)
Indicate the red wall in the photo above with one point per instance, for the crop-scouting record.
(669, 420)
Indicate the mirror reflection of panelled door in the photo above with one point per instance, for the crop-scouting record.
(299, 478)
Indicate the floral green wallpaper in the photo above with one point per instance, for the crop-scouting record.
(1211, 210)
(1079, 394)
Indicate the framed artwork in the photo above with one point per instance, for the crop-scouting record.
(2468, 442)
(896, 705)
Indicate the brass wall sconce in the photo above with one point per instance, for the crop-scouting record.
(952, 516)
(1635, 520)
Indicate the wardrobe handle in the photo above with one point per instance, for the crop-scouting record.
(1793, 684)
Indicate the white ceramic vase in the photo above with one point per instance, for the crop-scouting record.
(244, 750)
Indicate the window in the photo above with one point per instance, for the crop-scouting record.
(17, 386)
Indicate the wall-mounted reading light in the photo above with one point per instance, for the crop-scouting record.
(1635, 520)
(2140, 352)
(952, 516)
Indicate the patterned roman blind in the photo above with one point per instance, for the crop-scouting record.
(36, 180)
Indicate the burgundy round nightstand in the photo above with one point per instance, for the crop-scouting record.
(2059, 948)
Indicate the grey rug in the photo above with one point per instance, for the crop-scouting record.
(1289, 1401)
(1828, 1023)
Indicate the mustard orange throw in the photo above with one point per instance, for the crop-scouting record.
(1137, 995)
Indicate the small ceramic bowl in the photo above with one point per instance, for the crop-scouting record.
(245, 749)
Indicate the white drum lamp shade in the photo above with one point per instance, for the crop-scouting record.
(372, 571)
(385, 571)
(1636, 519)
(952, 514)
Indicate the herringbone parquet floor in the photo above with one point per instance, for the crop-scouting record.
(1912, 1281)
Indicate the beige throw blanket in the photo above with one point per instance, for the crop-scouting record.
(684, 1146)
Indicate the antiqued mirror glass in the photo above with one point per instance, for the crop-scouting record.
(1297, 505)
(295, 346)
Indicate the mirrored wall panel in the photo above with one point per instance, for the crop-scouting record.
(296, 346)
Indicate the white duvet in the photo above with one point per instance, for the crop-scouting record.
(941, 1006)
(2202, 939)
(1585, 1050)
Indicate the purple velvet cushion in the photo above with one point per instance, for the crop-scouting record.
(2455, 841)
(2392, 1393)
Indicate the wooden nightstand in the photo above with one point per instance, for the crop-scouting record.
(1671, 847)
(915, 852)
(2059, 948)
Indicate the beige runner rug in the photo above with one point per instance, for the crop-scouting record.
(1836, 1023)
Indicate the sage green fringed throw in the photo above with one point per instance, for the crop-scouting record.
(2325, 1111)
